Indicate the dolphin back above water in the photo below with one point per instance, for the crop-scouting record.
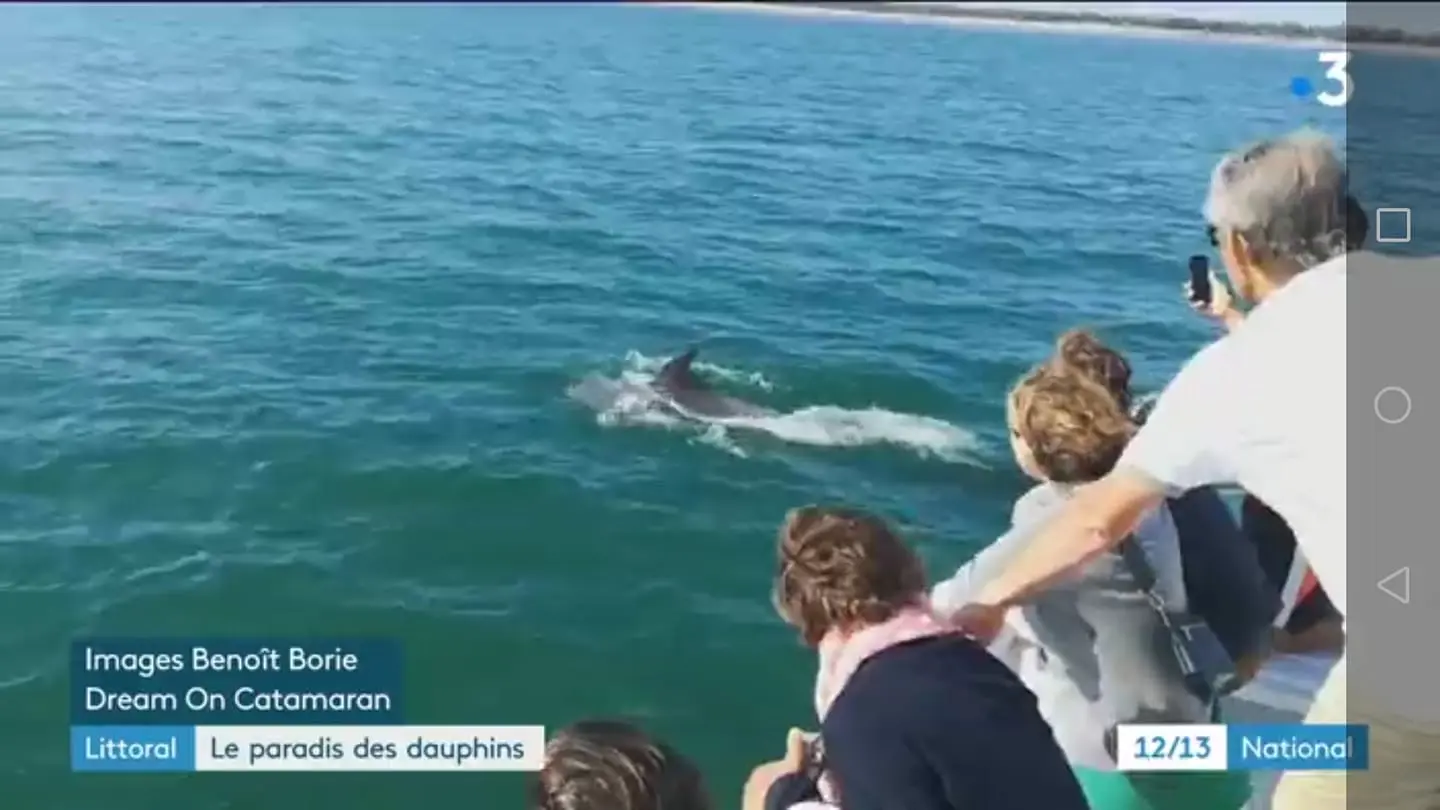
(691, 396)
(675, 395)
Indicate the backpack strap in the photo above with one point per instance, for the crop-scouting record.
(1139, 565)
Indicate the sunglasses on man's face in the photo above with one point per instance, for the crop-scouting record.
(1213, 234)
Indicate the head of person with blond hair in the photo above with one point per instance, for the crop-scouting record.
(613, 765)
(840, 570)
(1065, 426)
(1082, 352)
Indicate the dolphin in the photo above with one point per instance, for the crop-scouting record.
(693, 397)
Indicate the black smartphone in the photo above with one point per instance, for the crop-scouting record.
(1200, 279)
(814, 754)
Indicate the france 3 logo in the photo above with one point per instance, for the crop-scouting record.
(1338, 73)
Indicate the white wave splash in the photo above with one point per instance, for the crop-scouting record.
(628, 400)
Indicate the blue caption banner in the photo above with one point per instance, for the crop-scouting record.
(1298, 747)
(134, 749)
(228, 681)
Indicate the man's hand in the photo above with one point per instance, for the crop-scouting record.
(766, 775)
(981, 622)
(1221, 306)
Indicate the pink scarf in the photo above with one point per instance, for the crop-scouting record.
(841, 656)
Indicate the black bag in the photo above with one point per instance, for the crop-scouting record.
(1208, 669)
(792, 789)
(801, 786)
(1225, 581)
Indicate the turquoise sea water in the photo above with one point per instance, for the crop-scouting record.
(291, 297)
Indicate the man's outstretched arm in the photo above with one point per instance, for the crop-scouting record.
(1095, 520)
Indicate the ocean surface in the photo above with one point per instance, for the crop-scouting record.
(291, 299)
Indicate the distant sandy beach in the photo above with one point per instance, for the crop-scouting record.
(901, 16)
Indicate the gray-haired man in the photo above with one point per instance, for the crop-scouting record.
(1264, 408)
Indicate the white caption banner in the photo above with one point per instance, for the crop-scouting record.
(369, 748)
(1172, 747)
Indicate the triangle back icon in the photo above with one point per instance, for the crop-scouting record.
(1397, 585)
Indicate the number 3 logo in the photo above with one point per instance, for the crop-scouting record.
(1338, 62)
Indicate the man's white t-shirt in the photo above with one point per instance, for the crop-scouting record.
(1264, 408)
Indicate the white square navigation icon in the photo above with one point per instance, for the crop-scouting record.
(1392, 225)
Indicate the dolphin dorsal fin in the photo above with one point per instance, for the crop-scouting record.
(678, 367)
